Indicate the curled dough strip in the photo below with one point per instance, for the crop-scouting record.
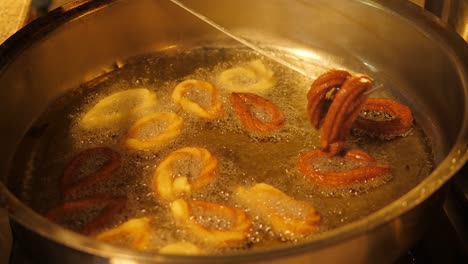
(343, 110)
(253, 77)
(236, 235)
(337, 117)
(372, 169)
(317, 102)
(174, 125)
(70, 185)
(243, 103)
(169, 184)
(289, 218)
(117, 107)
(399, 124)
(110, 208)
(137, 231)
(213, 111)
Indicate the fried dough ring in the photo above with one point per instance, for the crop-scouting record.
(336, 121)
(215, 109)
(69, 184)
(242, 103)
(344, 109)
(181, 248)
(171, 132)
(295, 220)
(259, 78)
(398, 125)
(317, 102)
(372, 170)
(136, 230)
(235, 236)
(99, 116)
(111, 207)
(168, 185)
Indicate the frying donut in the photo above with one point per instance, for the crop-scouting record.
(397, 119)
(202, 168)
(117, 107)
(244, 105)
(289, 218)
(70, 185)
(319, 96)
(110, 208)
(186, 213)
(173, 126)
(371, 169)
(211, 110)
(253, 77)
(336, 117)
(136, 231)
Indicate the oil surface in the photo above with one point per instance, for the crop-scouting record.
(245, 158)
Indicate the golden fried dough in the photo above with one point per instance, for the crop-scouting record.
(213, 224)
(184, 171)
(289, 218)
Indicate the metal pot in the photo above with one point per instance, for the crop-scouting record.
(393, 41)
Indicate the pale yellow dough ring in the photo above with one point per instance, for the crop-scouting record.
(215, 109)
(236, 235)
(136, 231)
(181, 248)
(111, 110)
(169, 185)
(289, 218)
(173, 129)
(254, 77)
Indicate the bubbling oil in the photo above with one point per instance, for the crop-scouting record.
(245, 158)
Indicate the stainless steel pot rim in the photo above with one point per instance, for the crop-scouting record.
(453, 162)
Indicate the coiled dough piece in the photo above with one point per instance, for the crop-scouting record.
(231, 225)
(184, 171)
(289, 218)
(167, 126)
(136, 231)
(117, 107)
(254, 77)
(244, 105)
(205, 102)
